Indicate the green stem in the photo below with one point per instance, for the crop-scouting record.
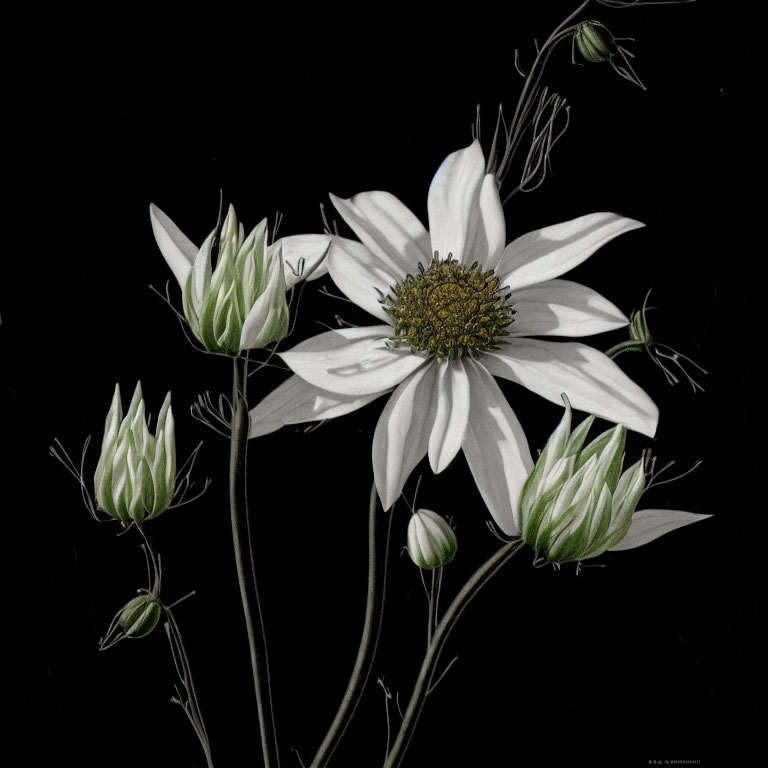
(374, 608)
(249, 593)
(423, 685)
(185, 675)
(431, 613)
(191, 705)
(623, 346)
(530, 88)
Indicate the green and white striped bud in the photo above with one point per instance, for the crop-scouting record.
(594, 41)
(597, 45)
(431, 540)
(241, 303)
(136, 475)
(576, 503)
(140, 616)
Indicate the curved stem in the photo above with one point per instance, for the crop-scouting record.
(249, 593)
(190, 704)
(185, 675)
(624, 346)
(530, 90)
(374, 609)
(428, 667)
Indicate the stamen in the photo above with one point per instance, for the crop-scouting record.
(449, 310)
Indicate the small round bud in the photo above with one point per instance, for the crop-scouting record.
(594, 41)
(140, 616)
(431, 540)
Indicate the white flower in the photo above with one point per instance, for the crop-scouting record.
(240, 303)
(444, 299)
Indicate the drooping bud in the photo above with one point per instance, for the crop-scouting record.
(241, 303)
(140, 616)
(596, 44)
(136, 475)
(594, 41)
(431, 540)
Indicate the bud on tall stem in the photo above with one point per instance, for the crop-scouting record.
(241, 303)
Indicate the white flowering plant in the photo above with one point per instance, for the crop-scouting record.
(460, 332)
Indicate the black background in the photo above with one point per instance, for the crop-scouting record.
(658, 656)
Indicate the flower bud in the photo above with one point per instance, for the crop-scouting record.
(431, 540)
(664, 357)
(576, 502)
(596, 44)
(140, 616)
(639, 331)
(594, 41)
(241, 303)
(136, 475)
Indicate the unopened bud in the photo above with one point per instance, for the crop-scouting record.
(136, 474)
(140, 616)
(594, 41)
(596, 45)
(240, 302)
(431, 540)
(576, 502)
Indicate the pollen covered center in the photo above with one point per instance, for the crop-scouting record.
(449, 310)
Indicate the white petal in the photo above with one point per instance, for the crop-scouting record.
(268, 309)
(491, 235)
(453, 203)
(201, 279)
(388, 228)
(361, 275)
(450, 424)
(552, 251)
(649, 524)
(496, 449)
(563, 308)
(591, 380)
(295, 401)
(352, 361)
(402, 433)
(311, 248)
(177, 249)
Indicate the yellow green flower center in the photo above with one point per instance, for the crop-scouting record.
(449, 310)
